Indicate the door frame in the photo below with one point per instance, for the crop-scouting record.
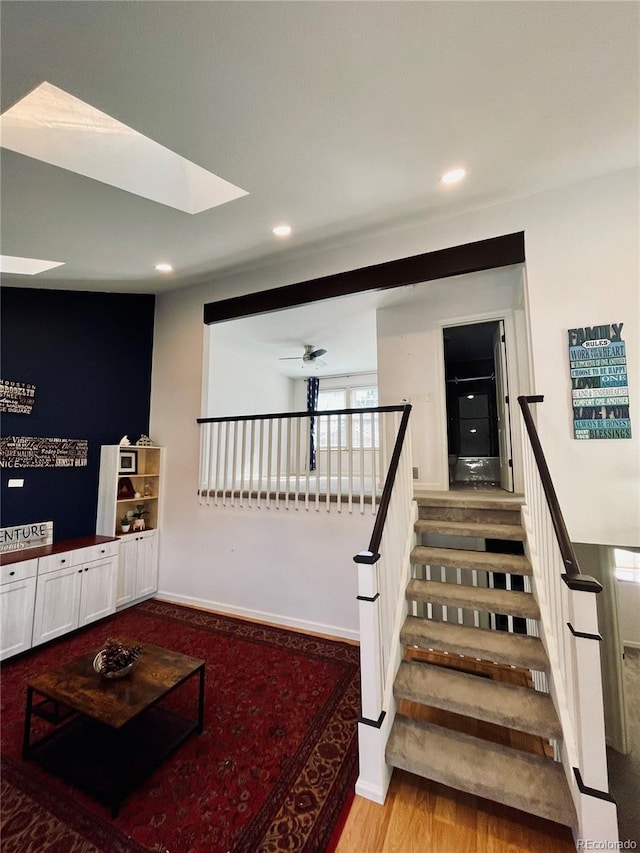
(507, 316)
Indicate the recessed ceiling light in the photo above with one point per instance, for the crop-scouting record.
(469, 396)
(164, 267)
(453, 176)
(282, 230)
(26, 266)
(473, 430)
(51, 125)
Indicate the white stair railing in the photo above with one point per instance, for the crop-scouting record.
(263, 461)
(569, 630)
(383, 574)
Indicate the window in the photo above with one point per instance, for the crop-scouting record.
(347, 398)
(627, 565)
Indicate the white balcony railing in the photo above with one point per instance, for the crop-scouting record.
(264, 461)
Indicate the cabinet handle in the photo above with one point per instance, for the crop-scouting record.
(87, 569)
(103, 551)
(79, 571)
(63, 561)
(11, 573)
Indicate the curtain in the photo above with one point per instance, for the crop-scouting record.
(313, 383)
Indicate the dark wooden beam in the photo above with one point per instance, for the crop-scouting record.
(444, 263)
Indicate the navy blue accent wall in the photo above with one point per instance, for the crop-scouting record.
(89, 356)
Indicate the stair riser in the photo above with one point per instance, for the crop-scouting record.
(487, 516)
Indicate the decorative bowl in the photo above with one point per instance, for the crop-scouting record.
(118, 673)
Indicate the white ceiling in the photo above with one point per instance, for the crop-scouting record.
(332, 115)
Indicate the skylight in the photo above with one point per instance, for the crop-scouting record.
(51, 125)
(26, 266)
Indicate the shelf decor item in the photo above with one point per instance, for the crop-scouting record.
(128, 463)
(144, 441)
(115, 660)
(125, 524)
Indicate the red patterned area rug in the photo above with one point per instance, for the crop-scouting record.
(272, 770)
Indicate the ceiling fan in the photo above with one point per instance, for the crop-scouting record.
(308, 356)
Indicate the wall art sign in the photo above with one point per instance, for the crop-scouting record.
(21, 451)
(26, 536)
(599, 384)
(16, 398)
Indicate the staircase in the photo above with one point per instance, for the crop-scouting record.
(460, 679)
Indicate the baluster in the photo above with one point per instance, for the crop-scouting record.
(288, 463)
(329, 465)
(362, 457)
(219, 433)
(350, 452)
(318, 432)
(269, 457)
(339, 483)
(252, 453)
(476, 613)
(306, 467)
(261, 463)
(234, 463)
(375, 431)
(243, 460)
(278, 463)
(298, 460)
(226, 461)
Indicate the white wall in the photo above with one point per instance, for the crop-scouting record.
(410, 355)
(241, 385)
(582, 268)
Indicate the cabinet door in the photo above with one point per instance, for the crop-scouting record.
(57, 602)
(98, 592)
(16, 612)
(127, 563)
(147, 567)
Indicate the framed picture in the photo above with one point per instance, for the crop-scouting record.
(128, 462)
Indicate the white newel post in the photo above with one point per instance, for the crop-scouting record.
(375, 774)
(599, 820)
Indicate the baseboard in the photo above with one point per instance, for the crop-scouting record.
(275, 619)
(370, 792)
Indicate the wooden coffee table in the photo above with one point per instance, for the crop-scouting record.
(111, 734)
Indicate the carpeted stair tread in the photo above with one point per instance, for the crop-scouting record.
(523, 781)
(507, 705)
(470, 501)
(504, 601)
(497, 646)
(481, 516)
(514, 564)
(477, 529)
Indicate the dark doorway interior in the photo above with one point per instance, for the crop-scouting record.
(472, 424)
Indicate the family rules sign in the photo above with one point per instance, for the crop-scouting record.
(599, 384)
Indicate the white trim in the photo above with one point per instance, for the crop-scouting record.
(631, 644)
(274, 619)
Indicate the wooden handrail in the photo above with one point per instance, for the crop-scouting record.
(372, 555)
(304, 414)
(573, 577)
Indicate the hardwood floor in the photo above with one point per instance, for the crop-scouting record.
(420, 816)
(425, 817)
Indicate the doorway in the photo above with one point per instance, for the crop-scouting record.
(477, 402)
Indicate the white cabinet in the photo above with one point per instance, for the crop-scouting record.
(137, 567)
(124, 473)
(17, 597)
(74, 595)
